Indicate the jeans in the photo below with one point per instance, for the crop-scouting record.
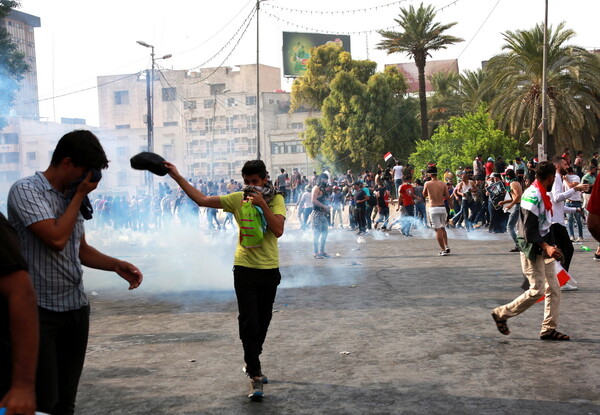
(512, 222)
(384, 216)
(305, 215)
(336, 212)
(255, 290)
(572, 217)
(63, 342)
(408, 213)
(421, 213)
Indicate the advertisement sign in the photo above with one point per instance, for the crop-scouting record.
(410, 72)
(296, 49)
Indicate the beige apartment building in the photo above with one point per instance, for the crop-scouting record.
(204, 121)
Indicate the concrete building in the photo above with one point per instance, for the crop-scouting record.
(21, 28)
(204, 121)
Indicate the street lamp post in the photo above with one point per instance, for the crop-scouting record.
(542, 157)
(150, 107)
(258, 80)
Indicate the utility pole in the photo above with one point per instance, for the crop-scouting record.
(150, 109)
(258, 79)
(542, 157)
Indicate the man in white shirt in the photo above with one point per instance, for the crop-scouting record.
(397, 177)
(558, 196)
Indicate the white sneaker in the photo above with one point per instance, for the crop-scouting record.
(580, 239)
(568, 287)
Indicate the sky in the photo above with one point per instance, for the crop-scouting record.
(80, 40)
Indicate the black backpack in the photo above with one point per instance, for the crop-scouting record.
(372, 201)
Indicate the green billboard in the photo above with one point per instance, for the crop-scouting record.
(296, 49)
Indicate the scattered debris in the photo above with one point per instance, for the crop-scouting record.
(337, 254)
(192, 360)
(361, 240)
(276, 311)
(94, 293)
(345, 352)
(353, 286)
(357, 263)
(356, 249)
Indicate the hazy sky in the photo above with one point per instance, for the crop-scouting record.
(80, 40)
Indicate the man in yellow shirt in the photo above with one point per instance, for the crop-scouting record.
(255, 270)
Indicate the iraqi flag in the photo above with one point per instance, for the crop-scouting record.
(387, 156)
(562, 275)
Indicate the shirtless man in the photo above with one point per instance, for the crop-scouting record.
(436, 191)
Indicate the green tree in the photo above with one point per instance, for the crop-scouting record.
(364, 114)
(13, 66)
(458, 142)
(573, 87)
(420, 36)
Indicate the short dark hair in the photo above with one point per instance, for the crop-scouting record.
(510, 173)
(544, 170)
(84, 149)
(558, 159)
(252, 167)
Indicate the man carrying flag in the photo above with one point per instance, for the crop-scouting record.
(537, 257)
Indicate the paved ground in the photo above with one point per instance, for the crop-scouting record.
(416, 328)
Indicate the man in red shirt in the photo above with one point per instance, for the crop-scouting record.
(593, 222)
(408, 204)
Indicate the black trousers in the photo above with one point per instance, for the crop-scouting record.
(563, 242)
(361, 218)
(63, 342)
(255, 290)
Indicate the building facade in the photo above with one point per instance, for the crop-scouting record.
(205, 122)
(21, 28)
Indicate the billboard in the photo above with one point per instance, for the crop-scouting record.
(409, 70)
(296, 49)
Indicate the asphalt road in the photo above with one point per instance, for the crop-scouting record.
(382, 327)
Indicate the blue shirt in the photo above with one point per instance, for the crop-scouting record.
(57, 276)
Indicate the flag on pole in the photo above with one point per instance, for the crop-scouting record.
(387, 156)
(562, 275)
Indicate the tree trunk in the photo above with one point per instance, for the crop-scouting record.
(420, 63)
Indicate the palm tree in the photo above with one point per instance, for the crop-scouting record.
(420, 36)
(573, 87)
(455, 95)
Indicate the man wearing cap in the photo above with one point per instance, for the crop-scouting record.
(436, 191)
(477, 166)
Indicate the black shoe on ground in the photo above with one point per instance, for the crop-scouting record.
(515, 249)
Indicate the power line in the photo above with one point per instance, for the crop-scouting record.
(85, 89)
(335, 12)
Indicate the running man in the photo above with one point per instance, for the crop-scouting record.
(255, 270)
(436, 191)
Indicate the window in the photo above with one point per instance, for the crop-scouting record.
(252, 122)
(251, 100)
(297, 125)
(8, 158)
(122, 179)
(231, 102)
(9, 138)
(189, 105)
(208, 124)
(169, 94)
(121, 97)
(122, 126)
(170, 123)
(208, 103)
(31, 156)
